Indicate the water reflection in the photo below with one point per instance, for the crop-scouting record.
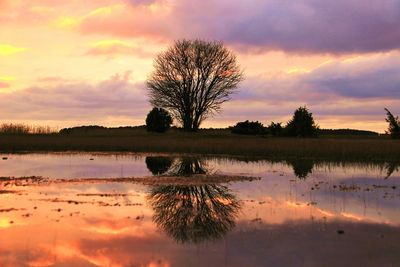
(194, 213)
(391, 167)
(302, 168)
(158, 165)
(102, 218)
(190, 213)
(184, 166)
(188, 166)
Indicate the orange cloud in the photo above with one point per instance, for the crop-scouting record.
(116, 47)
(122, 20)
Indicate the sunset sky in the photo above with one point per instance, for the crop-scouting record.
(70, 63)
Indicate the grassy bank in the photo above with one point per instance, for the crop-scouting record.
(212, 143)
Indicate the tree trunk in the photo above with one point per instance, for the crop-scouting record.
(188, 123)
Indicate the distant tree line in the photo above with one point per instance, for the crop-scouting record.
(301, 125)
(96, 130)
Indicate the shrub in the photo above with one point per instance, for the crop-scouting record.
(158, 120)
(394, 124)
(275, 129)
(302, 124)
(248, 127)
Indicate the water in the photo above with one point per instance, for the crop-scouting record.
(170, 211)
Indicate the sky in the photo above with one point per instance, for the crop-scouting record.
(70, 63)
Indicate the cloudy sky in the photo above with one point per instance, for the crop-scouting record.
(68, 63)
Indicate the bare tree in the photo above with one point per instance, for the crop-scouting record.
(192, 79)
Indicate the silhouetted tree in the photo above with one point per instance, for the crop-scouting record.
(302, 124)
(394, 124)
(192, 79)
(275, 129)
(158, 120)
(248, 127)
(194, 213)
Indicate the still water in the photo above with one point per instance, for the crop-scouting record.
(81, 209)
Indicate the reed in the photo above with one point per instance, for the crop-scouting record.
(23, 129)
(361, 149)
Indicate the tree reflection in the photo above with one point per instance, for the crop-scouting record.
(391, 167)
(188, 166)
(302, 168)
(194, 213)
(185, 166)
(158, 165)
(190, 213)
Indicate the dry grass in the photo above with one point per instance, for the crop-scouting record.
(375, 149)
(23, 129)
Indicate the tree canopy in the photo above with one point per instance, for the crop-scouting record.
(192, 79)
(302, 124)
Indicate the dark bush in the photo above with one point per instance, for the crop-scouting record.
(302, 124)
(394, 125)
(158, 120)
(346, 132)
(82, 129)
(248, 127)
(275, 129)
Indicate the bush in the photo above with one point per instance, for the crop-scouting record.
(302, 124)
(248, 127)
(82, 129)
(394, 125)
(158, 120)
(275, 129)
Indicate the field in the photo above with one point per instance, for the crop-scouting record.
(211, 142)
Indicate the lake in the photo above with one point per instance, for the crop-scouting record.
(103, 209)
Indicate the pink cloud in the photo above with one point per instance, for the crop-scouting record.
(69, 100)
(4, 85)
(127, 21)
(351, 90)
(338, 27)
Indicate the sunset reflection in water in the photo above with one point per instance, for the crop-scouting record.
(330, 215)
